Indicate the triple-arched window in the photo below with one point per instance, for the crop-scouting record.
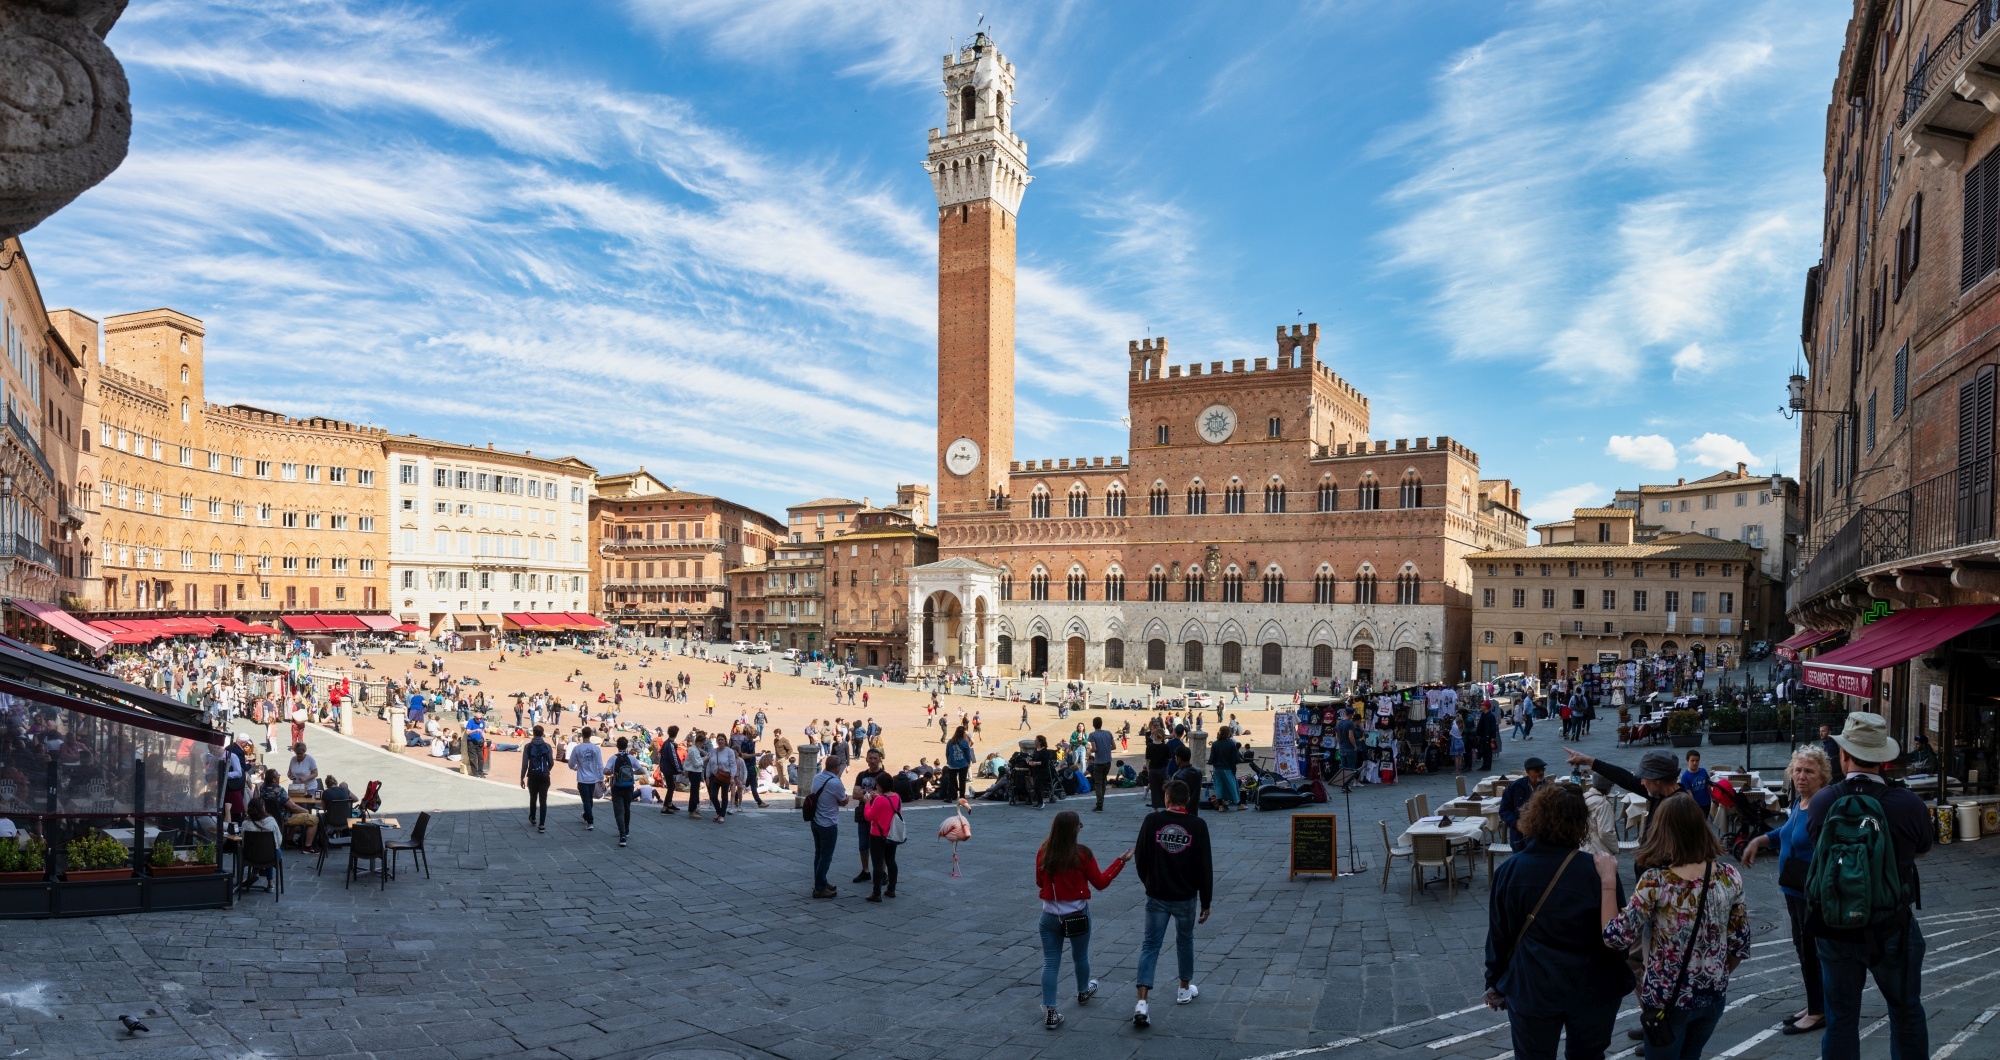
(1232, 586)
(1274, 586)
(1038, 585)
(1079, 584)
(1114, 502)
(1232, 498)
(1329, 496)
(1274, 496)
(1079, 502)
(1412, 490)
(1038, 503)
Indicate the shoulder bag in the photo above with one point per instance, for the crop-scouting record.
(1522, 935)
(1657, 1020)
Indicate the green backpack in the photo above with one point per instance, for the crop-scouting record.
(1854, 883)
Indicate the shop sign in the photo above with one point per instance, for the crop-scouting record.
(1937, 708)
(1285, 745)
(1845, 682)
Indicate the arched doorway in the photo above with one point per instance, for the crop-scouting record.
(1700, 653)
(1076, 658)
(942, 635)
(1038, 656)
(1364, 665)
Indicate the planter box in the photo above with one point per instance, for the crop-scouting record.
(1766, 736)
(92, 875)
(206, 891)
(31, 876)
(26, 900)
(179, 868)
(1692, 739)
(99, 897)
(1724, 739)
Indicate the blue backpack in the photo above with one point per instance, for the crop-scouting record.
(541, 759)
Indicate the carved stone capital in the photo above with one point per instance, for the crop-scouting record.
(65, 115)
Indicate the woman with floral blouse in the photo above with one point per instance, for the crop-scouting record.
(1661, 915)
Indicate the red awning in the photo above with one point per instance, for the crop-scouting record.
(259, 630)
(134, 638)
(341, 622)
(196, 627)
(229, 625)
(1807, 638)
(378, 623)
(408, 627)
(586, 621)
(303, 623)
(1850, 670)
(67, 624)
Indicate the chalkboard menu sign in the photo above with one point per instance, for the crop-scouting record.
(1313, 844)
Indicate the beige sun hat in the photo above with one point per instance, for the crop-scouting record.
(1866, 738)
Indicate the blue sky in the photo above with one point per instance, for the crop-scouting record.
(695, 235)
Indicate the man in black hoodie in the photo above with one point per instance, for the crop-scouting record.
(1175, 866)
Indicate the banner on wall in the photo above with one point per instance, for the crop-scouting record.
(1285, 745)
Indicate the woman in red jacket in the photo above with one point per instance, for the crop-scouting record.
(1065, 871)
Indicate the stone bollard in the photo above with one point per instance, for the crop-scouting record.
(398, 714)
(808, 768)
(347, 716)
(1197, 742)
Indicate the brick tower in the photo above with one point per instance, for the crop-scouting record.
(979, 169)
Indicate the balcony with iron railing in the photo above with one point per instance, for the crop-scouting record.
(14, 546)
(34, 448)
(1941, 517)
(1955, 90)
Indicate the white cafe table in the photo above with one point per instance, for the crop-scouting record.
(1469, 829)
(124, 835)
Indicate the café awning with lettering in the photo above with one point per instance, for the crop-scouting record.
(1850, 670)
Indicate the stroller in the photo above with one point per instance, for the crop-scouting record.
(1743, 820)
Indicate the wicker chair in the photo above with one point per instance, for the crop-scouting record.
(1392, 852)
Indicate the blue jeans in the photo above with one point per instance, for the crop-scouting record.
(1844, 967)
(1691, 1030)
(588, 792)
(1052, 946)
(824, 838)
(1225, 785)
(1157, 912)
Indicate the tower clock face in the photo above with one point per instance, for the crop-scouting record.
(1216, 423)
(961, 456)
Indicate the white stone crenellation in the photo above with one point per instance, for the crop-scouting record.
(977, 156)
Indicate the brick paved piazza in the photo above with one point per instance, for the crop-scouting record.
(699, 942)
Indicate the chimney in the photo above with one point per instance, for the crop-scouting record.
(1680, 482)
(1742, 470)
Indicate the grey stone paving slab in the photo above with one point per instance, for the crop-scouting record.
(698, 942)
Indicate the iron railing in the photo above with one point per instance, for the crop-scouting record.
(28, 442)
(1980, 16)
(17, 547)
(1949, 511)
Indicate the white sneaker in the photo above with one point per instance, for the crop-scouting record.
(1141, 1015)
(1186, 994)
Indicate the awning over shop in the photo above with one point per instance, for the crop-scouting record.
(586, 621)
(65, 623)
(341, 623)
(229, 625)
(379, 623)
(1804, 639)
(407, 627)
(490, 621)
(302, 623)
(1850, 670)
(466, 621)
(259, 630)
(187, 627)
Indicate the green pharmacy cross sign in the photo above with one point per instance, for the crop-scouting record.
(1876, 611)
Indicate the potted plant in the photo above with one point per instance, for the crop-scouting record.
(167, 862)
(1769, 724)
(96, 856)
(23, 861)
(1725, 725)
(1684, 728)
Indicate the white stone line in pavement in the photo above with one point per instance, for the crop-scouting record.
(1955, 918)
(1965, 1035)
(1741, 1047)
(1359, 1038)
(1884, 1021)
(1447, 1042)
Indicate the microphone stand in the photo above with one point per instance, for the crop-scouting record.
(1346, 778)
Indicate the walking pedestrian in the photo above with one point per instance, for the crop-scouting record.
(1175, 865)
(823, 802)
(669, 761)
(1065, 871)
(1223, 757)
(586, 760)
(624, 777)
(958, 758)
(883, 811)
(1486, 736)
(538, 761)
(1810, 772)
(1691, 907)
(1546, 962)
(1159, 761)
(1886, 941)
(1100, 768)
(1024, 717)
(695, 765)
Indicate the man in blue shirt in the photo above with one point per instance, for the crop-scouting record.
(475, 745)
(1516, 797)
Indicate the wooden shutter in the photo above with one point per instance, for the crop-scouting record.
(1975, 457)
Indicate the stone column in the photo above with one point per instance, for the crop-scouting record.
(808, 768)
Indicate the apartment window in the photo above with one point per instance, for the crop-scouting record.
(406, 474)
(1742, 499)
(366, 524)
(215, 561)
(236, 465)
(1548, 598)
(291, 563)
(1673, 571)
(1572, 568)
(263, 513)
(312, 563)
(187, 559)
(1638, 599)
(1909, 242)
(1701, 569)
(263, 469)
(1666, 506)
(409, 579)
(1273, 428)
(336, 522)
(336, 476)
(1576, 599)
(215, 506)
(1520, 570)
(289, 519)
(1979, 228)
(1520, 598)
(288, 472)
(1610, 599)
(187, 456)
(312, 520)
(187, 502)
(1486, 597)
(1868, 434)
(1673, 601)
(364, 477)
(1725, 603)
(1698, 603)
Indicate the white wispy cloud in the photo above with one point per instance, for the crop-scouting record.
(1720, 450)
(1646, 450)
(1560, 504)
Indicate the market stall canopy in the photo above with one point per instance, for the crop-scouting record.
(302, 623)
(1807, 638)
(407, 627)
(587, 621)
(229, 625)
(342, 624)
(378, 623)
(65, 623)
(1850, 670)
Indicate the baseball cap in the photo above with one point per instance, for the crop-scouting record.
(1534, 763)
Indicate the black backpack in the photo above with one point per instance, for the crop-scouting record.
(812, 800)
(541, 759)
(623, 775)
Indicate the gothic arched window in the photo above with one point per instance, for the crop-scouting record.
(968, 104)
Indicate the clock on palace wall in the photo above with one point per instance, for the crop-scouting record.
(961, 456)
(1216, 423)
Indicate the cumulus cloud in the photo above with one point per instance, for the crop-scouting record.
(1646, 450)
(1561, 503)
(1720, 450)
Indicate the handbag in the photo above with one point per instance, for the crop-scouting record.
(1656, 1020)
(899, 833)
(1074, 925)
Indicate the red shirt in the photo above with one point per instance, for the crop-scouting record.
(1074, 885)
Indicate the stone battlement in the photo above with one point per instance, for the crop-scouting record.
(1381, 447)
(1078, 463)
(262, 417)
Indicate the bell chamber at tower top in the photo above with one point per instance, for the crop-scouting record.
(976, 155)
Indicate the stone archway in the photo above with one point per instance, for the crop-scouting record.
(943, 633)
(952, 622)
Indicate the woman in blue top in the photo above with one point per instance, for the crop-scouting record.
(1810, 772)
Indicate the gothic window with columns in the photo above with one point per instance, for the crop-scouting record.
(1156, 587)
(1079, 502)
(1114, 502)
(1114, 584)
(1232, 498)
(1412, 491)
(1197, 499)
(1232, 586)
(1079, 584)
(1274, 496)
(1329, 495)
(1038, 503)
(1409, 588)
(1197, 585)
(1157, 499)
(1274, 586)
(1364, 587)
(1038, 585)
(1368, 495)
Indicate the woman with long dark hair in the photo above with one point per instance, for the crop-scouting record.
(1065, 871)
